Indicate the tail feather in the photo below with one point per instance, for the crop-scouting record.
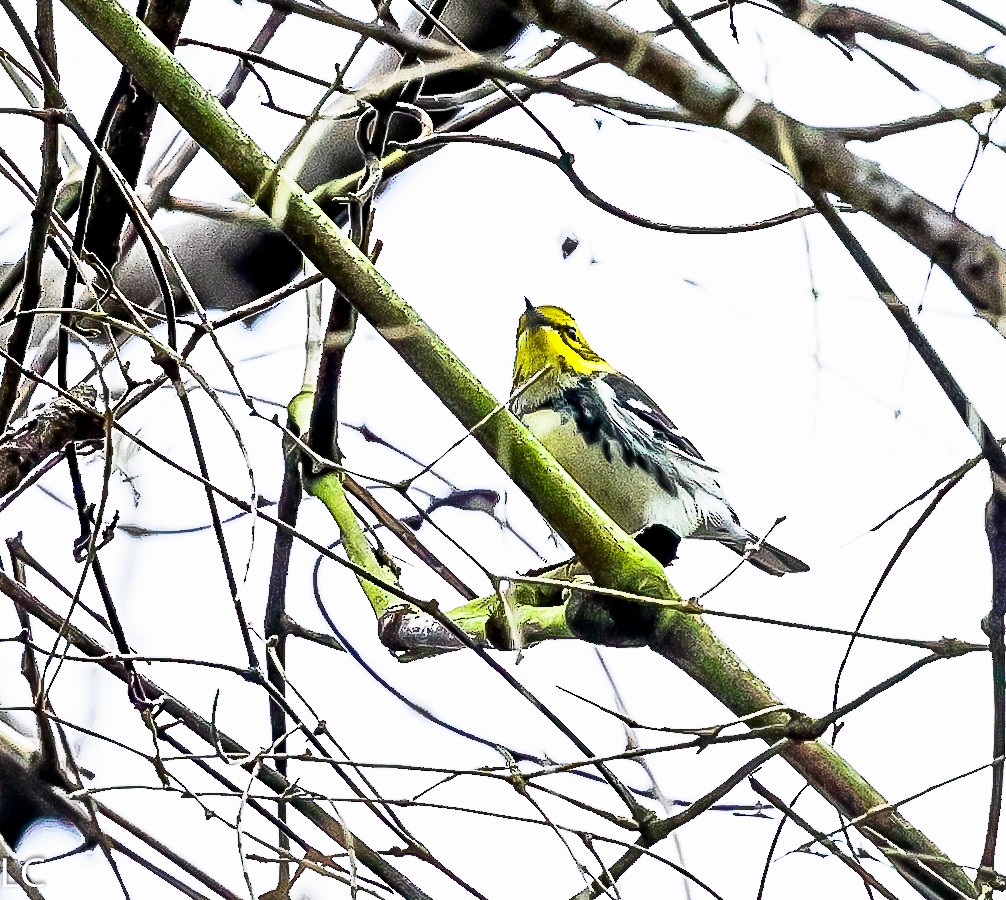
(770, 559)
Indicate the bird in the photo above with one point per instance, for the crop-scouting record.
(621, 448)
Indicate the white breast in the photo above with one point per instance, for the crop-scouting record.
(632, 497)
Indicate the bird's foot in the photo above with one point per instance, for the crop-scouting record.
(660, 542)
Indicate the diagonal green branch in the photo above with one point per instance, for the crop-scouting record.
(613, 557)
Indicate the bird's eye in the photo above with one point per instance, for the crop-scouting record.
(570, 332)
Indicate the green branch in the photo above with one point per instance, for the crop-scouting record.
(613, 558)
(327, 487)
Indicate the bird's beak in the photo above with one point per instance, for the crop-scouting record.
(532, 318)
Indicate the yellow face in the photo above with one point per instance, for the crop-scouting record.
(549, 338)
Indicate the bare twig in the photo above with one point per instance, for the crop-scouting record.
(847, 860)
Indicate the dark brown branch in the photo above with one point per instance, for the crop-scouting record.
(846, 23)
(292, 628)
(250, 56)
(128, 134)
(275, 627)
(60, 423)
(565, 165)
(684, 24)
(47, 759)
(964, 113)
(31, 293)
(993, 626)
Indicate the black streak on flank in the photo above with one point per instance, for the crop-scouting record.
(582, 404)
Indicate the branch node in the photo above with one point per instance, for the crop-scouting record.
(804, 728)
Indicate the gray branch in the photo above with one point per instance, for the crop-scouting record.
(819, 160)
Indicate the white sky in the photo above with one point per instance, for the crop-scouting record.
(721, 331)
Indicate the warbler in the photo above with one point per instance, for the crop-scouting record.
(618, 445)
